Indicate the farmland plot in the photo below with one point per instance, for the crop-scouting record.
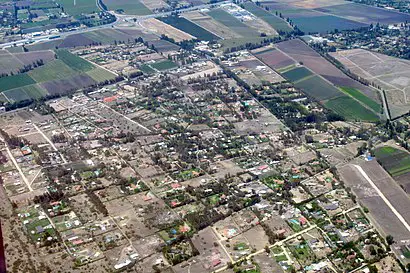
(189, 27)
(274, 21)
(232, 23)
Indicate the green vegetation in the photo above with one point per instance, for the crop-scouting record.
(132, 7)
(146, 69)
(15, 81)
(78, 7)
(189, 27)
(297, 74)
(164, 65)
(351, 109)
(74, 61)
(395, 161)
(318, 88)
(274, 21)
(54, 70)
(234, 24)
(99, 74)
(362, 98)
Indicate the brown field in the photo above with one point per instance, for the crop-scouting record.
(313, 4)
(391, 74)
(208, 23)
(159, 27)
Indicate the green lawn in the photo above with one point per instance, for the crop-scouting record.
(74, 61)
(376, 107)
(351, 109)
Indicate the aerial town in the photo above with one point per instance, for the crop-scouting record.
(204, 136)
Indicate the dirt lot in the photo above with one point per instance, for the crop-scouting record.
(161, 28)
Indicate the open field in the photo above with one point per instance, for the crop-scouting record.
(232, 23)
(273, 58)
(274, 21)
(160, 28)
(13, 62)
(163, 65)
(297, 74)
(154, 4)
(394, 160)
(376, 107)
(208, 23)
(78, 7)
(320, 16)
(67, 73)
(301, 52)
(351, 109)
(133, 7)
(189, 27)
(389, 73)
(318, 88)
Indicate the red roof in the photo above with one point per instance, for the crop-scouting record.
(110, 99)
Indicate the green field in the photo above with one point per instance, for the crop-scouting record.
(33, 91)
(146, 69)
(73, 61)
(15, 81)
(395, 161)
(235, 42)
(189, 27)
(77, 7)
(318, 88)
(351, 109)
(273, 20)
(232, 23)
(362, 98)
(99, 74)
(163, 65)
(297, 74)
(53, 70)
(134, 7)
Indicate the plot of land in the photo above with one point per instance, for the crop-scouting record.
(395, 161)
(133, 7)
(208, 23)
(160, 28)
(389, 73)
(351, 109)
(274, 21)
(189, 27)
(297, 74)
(232, 23)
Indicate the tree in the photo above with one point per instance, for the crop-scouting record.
(389, 240)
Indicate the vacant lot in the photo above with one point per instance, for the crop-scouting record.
(389, 73)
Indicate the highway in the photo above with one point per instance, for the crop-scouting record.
(121, 19)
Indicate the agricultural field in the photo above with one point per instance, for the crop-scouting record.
(395, 161)
(78, 7)
(160, 28)
(130, 7)
(302, 53)
(189, 27)
(273, 20)
(12, 62)
(388, 73)
(163, 65)
(66, 73)
(351, 109)
(376, 107)
(297, 74)
(318, 88)
(320, 16)
(273, 58)
(232, 23)
(208, 23)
